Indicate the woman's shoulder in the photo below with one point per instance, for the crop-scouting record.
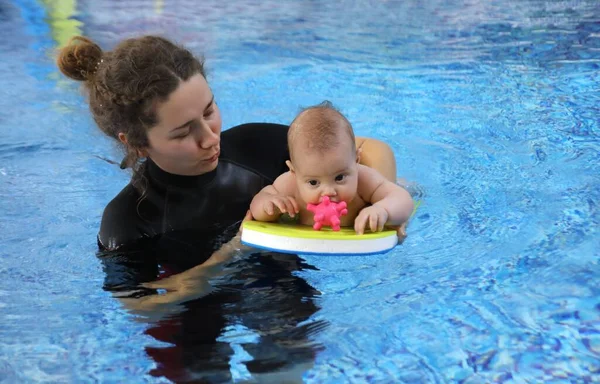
(120, 221)
(259, 135)
(261, 147)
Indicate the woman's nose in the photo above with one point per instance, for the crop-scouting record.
(205, 137)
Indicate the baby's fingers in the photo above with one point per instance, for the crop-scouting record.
(373, 222)
(281, 204)
(295, 205)
(383, 219)
(269, 207)
(289, 206)
(360, 222)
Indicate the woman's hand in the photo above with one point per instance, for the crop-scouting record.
(182, 283)
(400, 232)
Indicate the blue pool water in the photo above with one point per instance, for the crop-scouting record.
(492, 109)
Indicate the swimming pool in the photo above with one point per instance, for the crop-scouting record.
(492, 108)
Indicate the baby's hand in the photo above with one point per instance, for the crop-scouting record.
(374, 216)
(285, 204)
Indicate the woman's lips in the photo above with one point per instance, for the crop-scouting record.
(213, 158)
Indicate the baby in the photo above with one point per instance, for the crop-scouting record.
(324, 162)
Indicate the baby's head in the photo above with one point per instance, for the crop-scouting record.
(323, 154)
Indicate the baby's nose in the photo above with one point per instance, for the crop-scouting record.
(329, 191)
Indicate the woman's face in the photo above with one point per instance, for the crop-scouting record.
(186, 139)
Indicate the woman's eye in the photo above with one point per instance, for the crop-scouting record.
(340, 177)
(313, 183)
(182, 135)
(208, 113)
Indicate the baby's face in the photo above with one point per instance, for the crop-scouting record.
(332, 173)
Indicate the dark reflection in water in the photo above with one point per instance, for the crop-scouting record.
(258, 291)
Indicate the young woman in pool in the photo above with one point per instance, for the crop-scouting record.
(191, 182)
(166, 234)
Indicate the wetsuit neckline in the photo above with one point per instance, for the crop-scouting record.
(170, 179)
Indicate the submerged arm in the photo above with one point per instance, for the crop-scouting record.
(185, 286)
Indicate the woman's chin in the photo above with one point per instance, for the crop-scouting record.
(208, 167)
(200, 169)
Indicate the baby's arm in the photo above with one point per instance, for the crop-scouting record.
(391, 204)
(275, 199)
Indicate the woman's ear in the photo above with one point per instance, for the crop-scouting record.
(139, 152)
(290, 165)
(122, 138)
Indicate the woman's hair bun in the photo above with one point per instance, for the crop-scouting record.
(79, 59)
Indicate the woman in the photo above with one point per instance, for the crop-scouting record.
(152, 96)
(168, 230)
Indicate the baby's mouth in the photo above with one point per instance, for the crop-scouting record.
(333, 199)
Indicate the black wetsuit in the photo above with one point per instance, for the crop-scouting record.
(185, 214)
(177, 225)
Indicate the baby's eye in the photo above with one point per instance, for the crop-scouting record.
(313, 183)
(340, 177)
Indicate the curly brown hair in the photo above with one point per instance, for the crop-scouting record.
(126, 84)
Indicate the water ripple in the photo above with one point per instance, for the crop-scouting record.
(492, 111)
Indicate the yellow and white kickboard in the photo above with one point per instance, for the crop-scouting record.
(304, 240)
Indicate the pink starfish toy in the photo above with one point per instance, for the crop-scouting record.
(328, 213)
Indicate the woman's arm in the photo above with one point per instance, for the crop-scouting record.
(185, 286)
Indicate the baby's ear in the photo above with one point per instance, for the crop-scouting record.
(290, 165)
(358, 153)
